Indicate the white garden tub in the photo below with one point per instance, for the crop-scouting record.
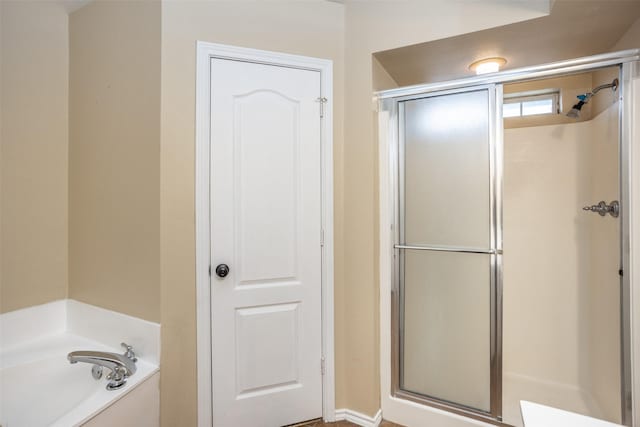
(39, 387)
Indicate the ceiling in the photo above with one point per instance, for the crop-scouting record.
(575, 28)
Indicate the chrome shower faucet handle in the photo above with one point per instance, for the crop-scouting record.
(603, 208)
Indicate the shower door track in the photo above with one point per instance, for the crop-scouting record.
(389, 101)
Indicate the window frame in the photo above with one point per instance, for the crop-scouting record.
(535, 95)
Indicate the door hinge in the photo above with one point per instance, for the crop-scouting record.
(321, 237)
(322, 100)
(322, 365)
(209, 271)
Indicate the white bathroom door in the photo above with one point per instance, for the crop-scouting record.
(266, 228)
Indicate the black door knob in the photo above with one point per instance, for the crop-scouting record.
(222, 270)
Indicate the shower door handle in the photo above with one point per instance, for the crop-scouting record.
(461, 249)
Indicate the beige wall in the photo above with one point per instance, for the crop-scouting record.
(33, 153)
(630, 39)
(114, 157)
(313, 28)
(381, 79)
(372, 27)
(119, 174)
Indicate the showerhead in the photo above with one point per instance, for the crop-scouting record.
(574, 113)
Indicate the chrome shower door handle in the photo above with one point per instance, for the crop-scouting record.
(603, 208)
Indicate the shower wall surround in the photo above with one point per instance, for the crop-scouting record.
(561, 284)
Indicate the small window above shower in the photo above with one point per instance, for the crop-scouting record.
(522, 104)
(552, 101)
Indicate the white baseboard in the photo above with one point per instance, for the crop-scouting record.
(358, 418)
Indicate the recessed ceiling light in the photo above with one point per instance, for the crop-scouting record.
(487, 65)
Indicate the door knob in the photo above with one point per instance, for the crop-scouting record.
(222, 270)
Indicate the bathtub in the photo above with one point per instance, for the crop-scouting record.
(39, 387)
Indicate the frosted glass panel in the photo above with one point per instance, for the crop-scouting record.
(446, 170)
(446, 340)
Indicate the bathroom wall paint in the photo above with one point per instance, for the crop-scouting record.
(630, 39)
(184, 310)
(33, 153)
(311, 28)
(380, 78)
(363, 334)
(114, 157)
(372, 27)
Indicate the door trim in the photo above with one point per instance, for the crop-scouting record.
(204, 53)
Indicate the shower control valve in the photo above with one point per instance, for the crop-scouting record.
(603, 208)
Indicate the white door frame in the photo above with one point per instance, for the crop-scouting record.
(204, 53)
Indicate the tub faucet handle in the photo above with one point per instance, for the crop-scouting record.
(129, 351)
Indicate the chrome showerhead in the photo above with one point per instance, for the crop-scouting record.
(574, 113)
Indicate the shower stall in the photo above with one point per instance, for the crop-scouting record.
(505, 245)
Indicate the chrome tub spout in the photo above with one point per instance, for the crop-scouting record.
(122, 366)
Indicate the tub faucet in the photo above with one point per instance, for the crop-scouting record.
(122, 366)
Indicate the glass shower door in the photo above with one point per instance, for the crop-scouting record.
(447, 251)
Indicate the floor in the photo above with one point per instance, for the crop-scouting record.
(348, 424)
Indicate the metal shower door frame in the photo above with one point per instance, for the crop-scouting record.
(627, 71)
(629, 63)
(494, 113)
